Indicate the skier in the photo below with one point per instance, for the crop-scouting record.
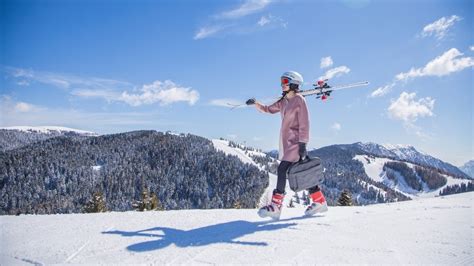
(294, 134)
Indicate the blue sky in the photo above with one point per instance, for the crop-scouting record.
(116, 66)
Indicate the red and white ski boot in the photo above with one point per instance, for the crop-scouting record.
(319, 204)
(273, 210)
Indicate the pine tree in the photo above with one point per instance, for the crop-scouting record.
(155, 202)
(297, 198)
(291, 205)
(96, 204)
(345, 199)
(145, 204)
(306, 198)
(237, 205)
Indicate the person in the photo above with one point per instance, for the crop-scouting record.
(294, 136)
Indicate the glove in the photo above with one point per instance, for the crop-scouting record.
(250, 101)
(302, 150)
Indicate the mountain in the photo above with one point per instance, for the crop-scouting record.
(423, 232)
(52, 130)
(61, 174)
(17, 137)
(376, 174)
(468, 168)
(408, 154)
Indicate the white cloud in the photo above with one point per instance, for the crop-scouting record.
(23, 83)
(8, 105)
(381, 91)
(406, 108)
(247, 8)
(206, 32)
(440, 27)
(33, 115)
(335, 72)
(226, 103)
(336, 127)
(471, 48)
(447, 63)
(108, 95)
(326, 62)
(63, 81)
(263, 21)
(164, 93)
(270, 21)
(24, 107)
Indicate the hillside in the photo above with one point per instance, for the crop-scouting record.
(60, 175)
(16, 137)
(425, 231)
(50, 173)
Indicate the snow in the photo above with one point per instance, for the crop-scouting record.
(363, 183)
(48, 130)
(374, 169)
(96, 167)
(426, 231)
(223, 145)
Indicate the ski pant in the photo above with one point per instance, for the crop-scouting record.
(281, 182)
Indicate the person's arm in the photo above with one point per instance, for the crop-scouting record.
(303, 122)
(303, 130)
(273, 108)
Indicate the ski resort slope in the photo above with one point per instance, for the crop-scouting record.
(425, 231)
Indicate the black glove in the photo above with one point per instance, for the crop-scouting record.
(250, 101)
(302, 150)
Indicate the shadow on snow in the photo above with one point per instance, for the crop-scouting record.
(207, 235)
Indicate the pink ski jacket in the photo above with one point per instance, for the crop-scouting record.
(294, 125)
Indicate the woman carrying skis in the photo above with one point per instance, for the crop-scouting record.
(294, 134)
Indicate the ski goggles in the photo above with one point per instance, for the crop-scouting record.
(285, 81)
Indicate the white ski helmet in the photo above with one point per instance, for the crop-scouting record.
(293, 78)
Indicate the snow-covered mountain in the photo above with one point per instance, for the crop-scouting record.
(426, 231)
(343, 172)
(468, 168)
(374, 168)
(50, 130)
(16, 137)
(409, 154)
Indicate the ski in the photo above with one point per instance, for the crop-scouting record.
(326, 89)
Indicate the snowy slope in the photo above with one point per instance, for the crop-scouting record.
(374, 169)
(50, 130)
(468, 168)
(223, 145)
(426, 231)
(407, 153)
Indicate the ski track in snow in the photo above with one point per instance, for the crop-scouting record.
(426, 231)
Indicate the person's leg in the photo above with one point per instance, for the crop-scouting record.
(281, 183)
(314, 189)
(274, 208)
(318, 204)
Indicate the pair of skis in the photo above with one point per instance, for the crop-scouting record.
(322, 90)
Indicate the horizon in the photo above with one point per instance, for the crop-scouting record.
(167, 66)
